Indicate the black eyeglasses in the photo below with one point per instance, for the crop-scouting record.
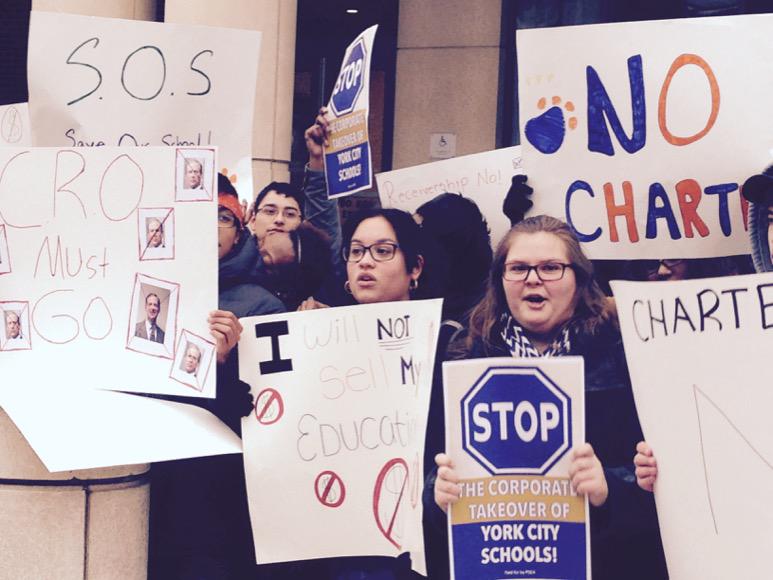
(380, 252)
(546, 271)
(289, 213)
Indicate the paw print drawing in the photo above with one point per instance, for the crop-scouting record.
(546, 131)
(232, 178)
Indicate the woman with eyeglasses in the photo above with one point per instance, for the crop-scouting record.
(382, 250)
(542, 300)
(383, 253)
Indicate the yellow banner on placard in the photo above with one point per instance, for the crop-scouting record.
(347, 131)
(507, 498)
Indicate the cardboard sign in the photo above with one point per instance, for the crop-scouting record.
(334, 449)
(699, 354)
(639, 134)
(483, 177)
(347, 156)
(15, 125)
(96, 253)
(510, 425)
(102, 81)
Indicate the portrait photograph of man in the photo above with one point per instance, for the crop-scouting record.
(155, 231)
(194, 172)
(153, 317)
(150, 329)
(193, 360)
(15, 319)
(195, 175)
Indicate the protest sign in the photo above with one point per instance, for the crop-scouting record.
(107, 260)
(699, 354)
(509, 427)
(88, 429)
(102, 81)
(15, 125)
(483, 177)
(639, 134)
(347, 154)
(334, 449)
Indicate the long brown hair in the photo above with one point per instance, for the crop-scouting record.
(590, 311)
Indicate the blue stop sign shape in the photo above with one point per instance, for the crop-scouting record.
(516, 421)
(350, 80)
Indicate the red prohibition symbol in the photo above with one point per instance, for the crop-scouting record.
(329, 489)
(269, 407)
(395, 471)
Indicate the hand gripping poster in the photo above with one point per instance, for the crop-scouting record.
(347, 153)
(699, 354)
(510, 426)
(333, 451)
(639, 134)
(111, 82)
(97, 283)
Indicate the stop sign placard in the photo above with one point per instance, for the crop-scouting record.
(516, 421)
(350, 80)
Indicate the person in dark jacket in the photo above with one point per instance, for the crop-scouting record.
(542, 300)
(199, 518)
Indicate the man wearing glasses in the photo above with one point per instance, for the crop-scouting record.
(277, 210)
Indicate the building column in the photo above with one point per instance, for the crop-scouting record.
(272, 126)
(448, 55)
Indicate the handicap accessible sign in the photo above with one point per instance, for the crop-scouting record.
(347, 153)
(510, 427)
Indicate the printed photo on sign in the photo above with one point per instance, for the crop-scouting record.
(195, 175)
(16, 324)
(5, 255)
(156, 233)
(193, 360)
(153, 319)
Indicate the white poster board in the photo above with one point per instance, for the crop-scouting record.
(348, 167)
(334, 449)
(510, 426)
(15, 125)
(699, 354)
(103, 81)
(640, 134)
(483, 177)
(72, 430)
(97, 247)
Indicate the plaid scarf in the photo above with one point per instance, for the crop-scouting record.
(520, 347)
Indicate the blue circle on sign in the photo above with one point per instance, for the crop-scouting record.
(350, 80)
(516, 421)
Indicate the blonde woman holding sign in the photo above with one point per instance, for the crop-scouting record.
(542, 300)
